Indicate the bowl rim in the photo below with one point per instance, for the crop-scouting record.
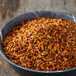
(31, 70)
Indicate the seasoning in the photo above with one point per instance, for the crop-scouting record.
(42, 44)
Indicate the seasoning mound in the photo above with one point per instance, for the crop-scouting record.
(42, 44)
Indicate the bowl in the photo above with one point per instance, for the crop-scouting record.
(25, 17)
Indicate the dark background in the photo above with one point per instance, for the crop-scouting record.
(11, 8)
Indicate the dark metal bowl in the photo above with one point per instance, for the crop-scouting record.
(25, 17)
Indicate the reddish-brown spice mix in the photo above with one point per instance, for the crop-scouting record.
(42, 44)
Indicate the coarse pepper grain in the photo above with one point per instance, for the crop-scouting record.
(42, 44)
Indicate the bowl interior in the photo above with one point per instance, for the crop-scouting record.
(28, 16)
(32, 15)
